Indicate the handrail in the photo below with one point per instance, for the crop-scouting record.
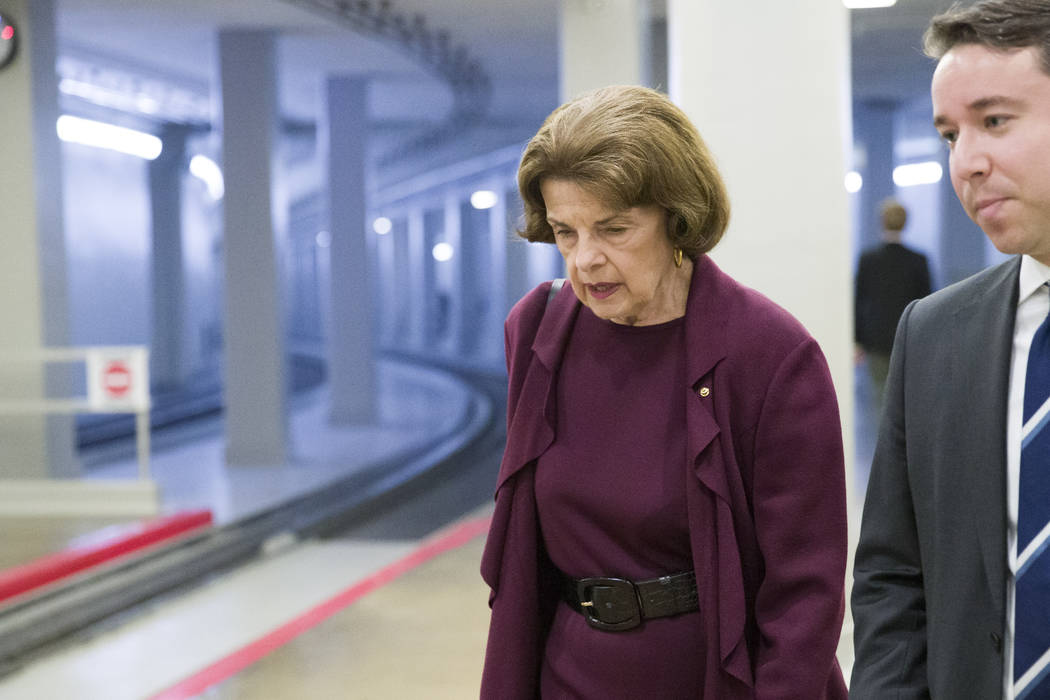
(118, 382)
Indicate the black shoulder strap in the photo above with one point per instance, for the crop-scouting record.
(556, 286)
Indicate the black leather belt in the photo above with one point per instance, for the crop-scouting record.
(616, 604)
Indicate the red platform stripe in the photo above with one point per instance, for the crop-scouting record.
(245, 656)
(54, 567)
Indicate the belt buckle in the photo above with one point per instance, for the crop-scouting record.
(608, 597)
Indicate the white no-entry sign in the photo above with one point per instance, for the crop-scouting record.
(118, 380)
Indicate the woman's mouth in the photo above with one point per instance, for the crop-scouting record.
(602, 290)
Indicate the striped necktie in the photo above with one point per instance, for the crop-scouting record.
(1032, 611)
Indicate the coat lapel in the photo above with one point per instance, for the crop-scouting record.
(710, 298)
(528, 438)
(532, 428)
(986, 365)
(705, 347)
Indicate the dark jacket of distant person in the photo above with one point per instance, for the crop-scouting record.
(889, 277)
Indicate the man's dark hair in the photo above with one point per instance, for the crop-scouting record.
(998, 24)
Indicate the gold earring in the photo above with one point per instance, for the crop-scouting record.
(677, 257)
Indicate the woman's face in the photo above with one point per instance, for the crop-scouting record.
(620, 262)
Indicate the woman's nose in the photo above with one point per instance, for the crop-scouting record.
(588, 253)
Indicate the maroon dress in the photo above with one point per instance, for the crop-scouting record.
(611, 502)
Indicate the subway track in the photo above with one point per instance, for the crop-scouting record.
(392, 499)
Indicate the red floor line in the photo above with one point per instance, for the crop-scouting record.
(245, 656)
(54, 567)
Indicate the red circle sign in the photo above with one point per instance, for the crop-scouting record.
(116, 379)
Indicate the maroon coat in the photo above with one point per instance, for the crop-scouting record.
(767, 509)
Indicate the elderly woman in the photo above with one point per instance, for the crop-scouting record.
(670, 512)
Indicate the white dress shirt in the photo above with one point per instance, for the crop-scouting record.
(1033, 304)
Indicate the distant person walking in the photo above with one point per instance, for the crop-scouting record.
(889, 276)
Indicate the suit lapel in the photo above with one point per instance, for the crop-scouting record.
(982, 333)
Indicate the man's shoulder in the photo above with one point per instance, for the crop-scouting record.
(915, 254)
(895, 252)
(987, 286)
(889, 254)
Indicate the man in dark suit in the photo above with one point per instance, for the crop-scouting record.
(889, 277)
(942, 597)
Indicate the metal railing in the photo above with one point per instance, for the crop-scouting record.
(117, 382)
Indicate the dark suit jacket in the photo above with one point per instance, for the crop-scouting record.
(930, 574)
(889, 277)
(765, 494)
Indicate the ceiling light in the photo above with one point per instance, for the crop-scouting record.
(109, 136)
(925, 173)
(866, 4)
(208, 171)
(853, 182)
(483, 199)
(382, 225)
(442, 252)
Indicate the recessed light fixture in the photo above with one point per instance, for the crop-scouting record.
(483, 199)
(925, 173)
(382, 225)
(208, 171)
(442, 252)
(115, 138)
(866, 4)
(853, 182)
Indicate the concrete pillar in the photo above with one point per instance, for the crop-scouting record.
(602, 42)
(501, 274)
(386, 277)
(415, 289)
(775, 111)
(436, 303)
(351, 360)
(168, 362)
(453, 272)
(873, 123)
(400, 285)
(256, 424)
(516, 251)
(784, 172)
(33, 297)
(475, 275)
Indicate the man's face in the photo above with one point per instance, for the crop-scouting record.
(993, 109)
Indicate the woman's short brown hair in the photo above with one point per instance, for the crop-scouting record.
(628, 146)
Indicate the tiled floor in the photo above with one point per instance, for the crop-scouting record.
(422, 636)
(435, 615)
